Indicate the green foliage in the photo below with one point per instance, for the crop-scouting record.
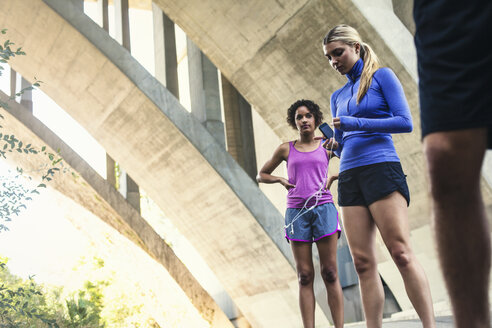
(22, 304)
(84, 309)
(13, 194)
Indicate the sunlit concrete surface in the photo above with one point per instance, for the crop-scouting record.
(168, 153)
(95, 194)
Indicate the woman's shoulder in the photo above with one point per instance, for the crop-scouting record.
(383, 73)
(285, 144)
(284, 148)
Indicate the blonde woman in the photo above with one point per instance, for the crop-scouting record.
(372, 188)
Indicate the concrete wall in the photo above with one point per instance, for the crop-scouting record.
(271, 51)
(166, 151)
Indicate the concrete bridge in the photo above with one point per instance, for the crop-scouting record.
(271, 53)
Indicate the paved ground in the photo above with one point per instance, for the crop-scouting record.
(441, 322)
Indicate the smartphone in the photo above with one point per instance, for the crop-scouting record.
(326, 130)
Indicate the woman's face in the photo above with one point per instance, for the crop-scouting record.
(342, 56)
(305, 120)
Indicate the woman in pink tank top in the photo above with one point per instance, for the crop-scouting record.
(311, 215)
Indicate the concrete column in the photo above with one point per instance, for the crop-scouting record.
(239, 128)
(128, 187)
(166, 63)
(26, 97)
(110, 163)
(13, 82)
(122, 23)
(204, 92)
(103, 9)
(132, 193)
(110, 170)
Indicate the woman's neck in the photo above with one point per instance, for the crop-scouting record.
(306, 138)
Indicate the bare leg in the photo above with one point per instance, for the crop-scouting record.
(361, 236)
(454, 161)
(303, 256)
(327, 248)
(390, 215)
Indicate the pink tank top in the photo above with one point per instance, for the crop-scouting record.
(307, 171)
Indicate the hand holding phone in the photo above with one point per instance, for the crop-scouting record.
(326, 130)
(330, 143)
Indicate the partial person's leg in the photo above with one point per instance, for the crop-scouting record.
(454, 161)
(390, 215)
(327, 248)
(303, 255)
(361, 236)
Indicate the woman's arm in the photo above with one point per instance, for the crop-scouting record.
(265, 174)
(330, 180)
(401, 119)
(336, 129)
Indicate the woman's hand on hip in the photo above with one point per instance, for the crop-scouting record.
(330, 180)
(284, 182)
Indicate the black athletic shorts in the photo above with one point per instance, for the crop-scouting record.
(366, 184)
(454, 49)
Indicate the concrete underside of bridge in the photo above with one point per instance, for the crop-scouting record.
(168, 153)
(78, 181)
(271, 52)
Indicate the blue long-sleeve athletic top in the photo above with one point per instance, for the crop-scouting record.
(364, 136)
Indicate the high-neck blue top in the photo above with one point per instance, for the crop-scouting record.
(365, 132)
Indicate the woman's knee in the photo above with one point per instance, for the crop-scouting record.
(401, 255)
(305, 276)
(329, 273)
(363, 264)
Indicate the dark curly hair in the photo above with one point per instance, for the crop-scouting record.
(310, 105)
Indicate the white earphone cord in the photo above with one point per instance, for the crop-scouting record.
(318, 194)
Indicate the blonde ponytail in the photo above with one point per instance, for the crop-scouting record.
(351, 37)
(371, 65)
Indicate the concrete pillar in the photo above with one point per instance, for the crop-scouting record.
(122, 23)
(110, 170)
(239, 128)
(13, 82)
(128, 187)
(26, 97)
(204, 92)
(110, 163)
(166, 63)
(132, 192)
(103, 9)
